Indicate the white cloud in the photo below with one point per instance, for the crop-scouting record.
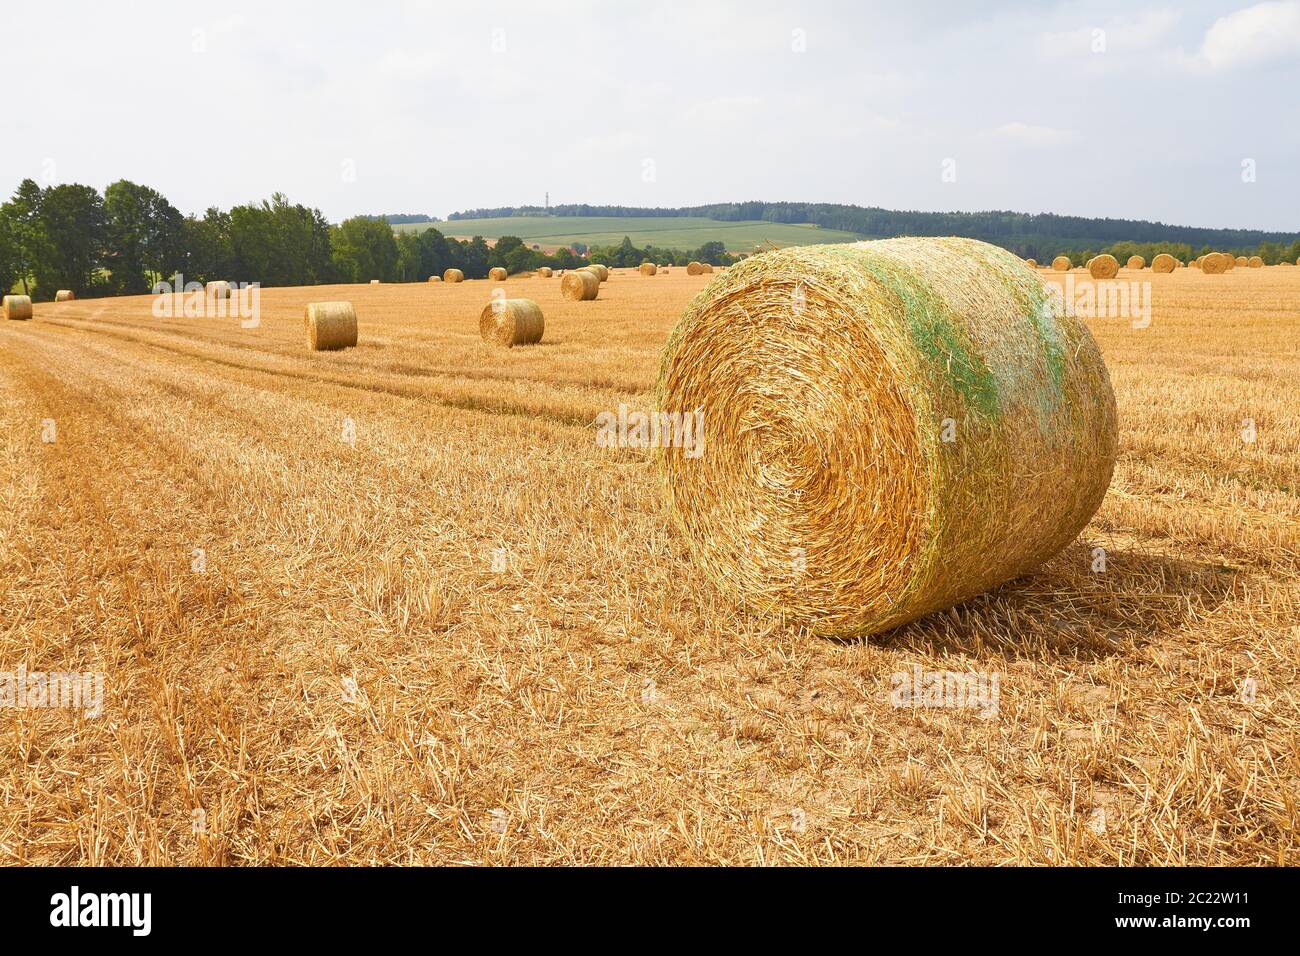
(1039, 137)
(1254, 35)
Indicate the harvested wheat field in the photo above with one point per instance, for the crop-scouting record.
(392, 604)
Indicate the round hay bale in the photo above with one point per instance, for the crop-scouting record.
(1214, 263)
(330, 325)
(511, 322)
(1061, 264)
(17, 307)
(1242, 261)
(1255, 262)
(1229, 261)
(708, 267)
(1164, 263)
(218, 289)
(1104, 266)
(453, 275)
(601, 271)
(435, 278)
(580, 285)
(648, 268)
(64, 295)
(544, 272)
(497, 274)
(1137, 262)
(694, 269)
(1032, 263)
(952, 429)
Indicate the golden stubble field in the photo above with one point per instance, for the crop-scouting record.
(350, 676)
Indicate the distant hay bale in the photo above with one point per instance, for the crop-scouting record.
(1032, 263)
(1164, 263)
(953, 429)
(1242, 261)
(1255, 262)
(648, 268)
(1137, 262)
(511, 322)
(498, 274)
(601, 271)
(435, 278)
(453, 275)
(1229, 261)
(1061, 264)
(17, 307)
(545, 272)
(580, 285)
(694, 269)
(1104, 266)
(218, 289)
(1214, 263)
(64, 295)
(708, 267)
(330, 325)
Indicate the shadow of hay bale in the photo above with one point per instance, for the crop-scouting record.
(1065, 609)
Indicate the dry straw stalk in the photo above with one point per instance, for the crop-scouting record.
(17, 307)
(580, 285)
(511, 322)
(889, 428)
(330, 325)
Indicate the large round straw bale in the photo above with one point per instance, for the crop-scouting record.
(1164, 263)
(694, 269)
(1061, 264)
(18, 307)
(330, 325)
(1137, 262)
(952, 429)
(580, 285)
(544, 272)
(601, 271)
(511, 322)
(498, 274)
(1229, 261)
(218, 289)
(1242, 261)
(1255, 262)
(648, 268)
(64, 295)
(1104, 266)
(707, 267)
(1214, 263)
(453, 275)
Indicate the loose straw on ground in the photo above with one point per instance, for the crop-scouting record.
(889, 428)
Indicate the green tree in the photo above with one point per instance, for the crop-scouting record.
(76, 234)
(26, 231)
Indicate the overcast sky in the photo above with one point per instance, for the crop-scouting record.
(1090, 108)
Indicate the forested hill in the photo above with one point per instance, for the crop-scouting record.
(1021, 232)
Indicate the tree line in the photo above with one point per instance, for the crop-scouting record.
(1028, 235)
(128, 238)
